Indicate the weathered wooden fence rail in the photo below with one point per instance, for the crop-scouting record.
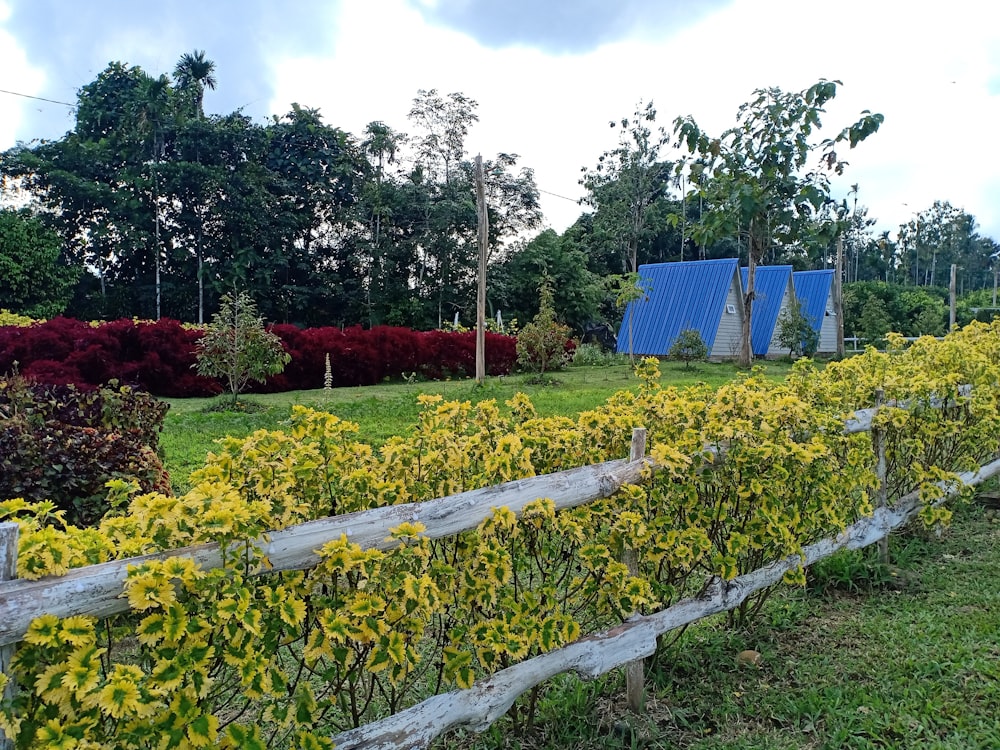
(98, 590)
(594, 655)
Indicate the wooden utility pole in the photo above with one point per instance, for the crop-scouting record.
(484, 241)
(951, 297)
(838, 297)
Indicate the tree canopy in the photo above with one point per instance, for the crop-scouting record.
(150, 206)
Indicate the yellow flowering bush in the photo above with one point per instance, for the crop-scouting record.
(241, 656)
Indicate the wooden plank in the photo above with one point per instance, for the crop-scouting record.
(9, 533)
(488, 699)
(881, 476)
(861, 419)
(97, 590)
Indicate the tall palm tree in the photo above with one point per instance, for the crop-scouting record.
(152, 113)
(195, 73)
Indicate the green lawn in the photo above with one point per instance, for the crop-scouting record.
(864, 658)
(190, 430)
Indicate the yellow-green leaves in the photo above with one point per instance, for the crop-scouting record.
(746, 474)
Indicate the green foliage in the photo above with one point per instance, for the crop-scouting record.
(852, 571)
(627, 181)
(873, 308)
(756, 176)
(590, 355)
(688, 347)
(541, 344)
(237, 348)
(366, 632)
(62, 445)
(551, 257)
(978, 305)
(796, 331)
(937, 237)
(35, 279)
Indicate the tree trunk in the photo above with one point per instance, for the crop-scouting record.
(484, 238)
(746, 347)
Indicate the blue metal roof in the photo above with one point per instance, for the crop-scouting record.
(812, 288)
(689, 294)
(770, 284)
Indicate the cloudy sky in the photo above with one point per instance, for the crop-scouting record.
(549, 75)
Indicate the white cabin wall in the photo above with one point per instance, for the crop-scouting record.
(774, 349)
(727, 336)
(828, 331)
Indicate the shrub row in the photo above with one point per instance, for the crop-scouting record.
(302, 653)
(158, 357)
(61, 444)
(361, 356)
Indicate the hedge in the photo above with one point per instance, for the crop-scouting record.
(158, 357)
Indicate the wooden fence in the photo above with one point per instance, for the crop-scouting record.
(97, 590)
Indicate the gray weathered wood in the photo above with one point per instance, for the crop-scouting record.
(838, 297)
(488, 699)
(881, 487)
(97, 589)
(483, 215)
(8, 571)
(952, 298)
(861, 419)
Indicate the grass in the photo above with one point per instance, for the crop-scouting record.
(193, 425)
(912, 662)
(910, 659)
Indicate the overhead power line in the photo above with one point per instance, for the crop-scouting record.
(38, 98)
(571, 200)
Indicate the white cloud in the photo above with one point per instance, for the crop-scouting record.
(927, 68)
(932, 69)
(16, 75)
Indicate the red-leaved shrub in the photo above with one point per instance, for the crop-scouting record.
(158, 357)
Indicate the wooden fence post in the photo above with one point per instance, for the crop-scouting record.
(881, 490)
(8, 572)
(635, 670)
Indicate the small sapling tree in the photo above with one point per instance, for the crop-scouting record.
(688, 347)
(796, 332)
(237, 348)
(541, 344)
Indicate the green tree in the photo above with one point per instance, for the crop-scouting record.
(940, 236)
(541, 344)
(237, 348)
(627, 181)
(796, 331)
(754, 177)
(688, 347)
(194, 73)
(548, 256)
(874, 321)
(872, 308)
(34, 277)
